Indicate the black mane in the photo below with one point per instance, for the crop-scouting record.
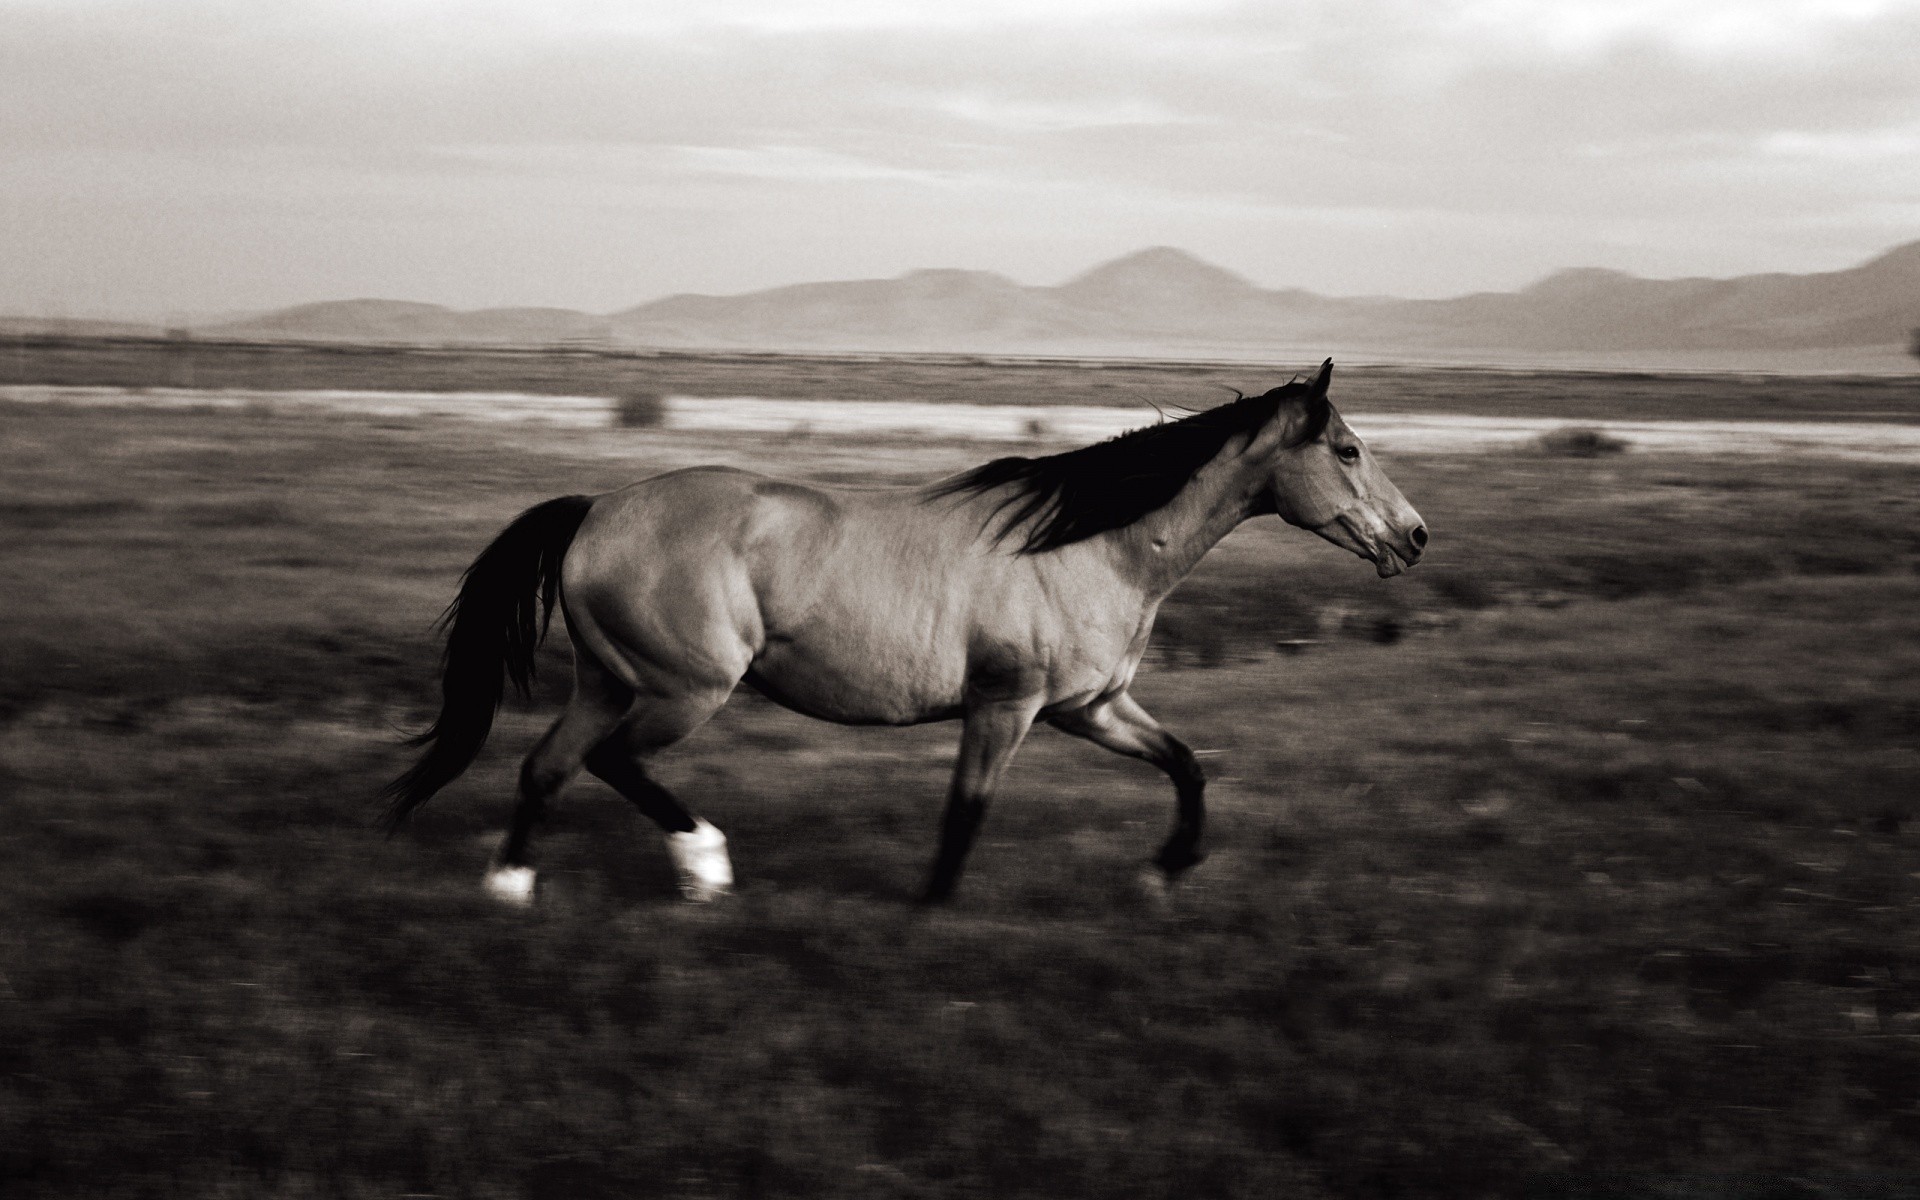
(1067, 498)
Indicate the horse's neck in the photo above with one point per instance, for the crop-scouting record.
(1163, 547)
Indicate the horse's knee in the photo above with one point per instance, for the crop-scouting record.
(540, 779)
(965, 813)
(608, 759)
(1184, 767)
(1178, 856)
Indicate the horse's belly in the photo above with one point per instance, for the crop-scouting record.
(880, 686)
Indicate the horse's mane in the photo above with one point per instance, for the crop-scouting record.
(1069, 497)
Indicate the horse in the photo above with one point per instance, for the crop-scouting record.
(1021, 590)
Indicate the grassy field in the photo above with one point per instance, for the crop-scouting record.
(1579, 395)
(1580, 861)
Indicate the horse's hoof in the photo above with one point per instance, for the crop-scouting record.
(700, 859)
(510, 885)
(1155, 887)
(1175, 861)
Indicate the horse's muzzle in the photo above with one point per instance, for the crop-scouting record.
(1393, 557)
(1391, 551)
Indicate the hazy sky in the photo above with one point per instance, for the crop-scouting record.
(186, 156)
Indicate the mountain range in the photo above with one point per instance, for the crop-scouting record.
(1164, 301)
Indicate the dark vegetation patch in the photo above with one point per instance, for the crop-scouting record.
(1579, 442)
(49, 514)
(640, 410)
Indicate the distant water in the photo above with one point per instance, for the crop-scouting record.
(583, 412)
(1048, 424)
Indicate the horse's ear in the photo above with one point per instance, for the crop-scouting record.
(1300, 413)
(1309, 413)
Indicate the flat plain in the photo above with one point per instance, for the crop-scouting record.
(1581, 860)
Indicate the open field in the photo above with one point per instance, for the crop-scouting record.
(1043, 426)
(1581, 860)
(1480, 391)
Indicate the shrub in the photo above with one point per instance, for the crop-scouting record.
(641, 410)
(1578, 443)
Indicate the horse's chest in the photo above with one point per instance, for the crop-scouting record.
(1111, 672)
(1065, 663)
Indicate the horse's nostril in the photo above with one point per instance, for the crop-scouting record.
(1419, 536)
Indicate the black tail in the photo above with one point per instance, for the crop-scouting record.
(493, 627)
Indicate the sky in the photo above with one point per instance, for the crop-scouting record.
(180, 158)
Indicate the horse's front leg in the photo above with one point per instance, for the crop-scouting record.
(1122, 726)
(992, 733)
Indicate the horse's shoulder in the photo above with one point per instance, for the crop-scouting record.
(792, 518)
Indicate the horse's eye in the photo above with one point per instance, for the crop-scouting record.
(1350, 454)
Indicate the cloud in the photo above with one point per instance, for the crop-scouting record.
(1899, 144)
(1359, 145)
(1710, 29)
(1054, 116)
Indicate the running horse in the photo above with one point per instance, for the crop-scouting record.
(1022, 590)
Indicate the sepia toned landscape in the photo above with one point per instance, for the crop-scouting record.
(1580, 860)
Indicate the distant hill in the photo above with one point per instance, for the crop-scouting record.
(74, 327)
(935, 309)
(1167, 301)
(1874, 304)
(406, 321)
(1156, 299)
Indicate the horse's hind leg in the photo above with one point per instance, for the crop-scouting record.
(598, 704)
(1122, 726)
(698, 850)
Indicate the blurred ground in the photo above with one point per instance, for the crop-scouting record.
(1580, 858)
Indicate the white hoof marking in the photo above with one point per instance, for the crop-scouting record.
(1155, 888)
(700, 858)
(510, 885)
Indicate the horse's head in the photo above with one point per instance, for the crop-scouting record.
(1322, 477)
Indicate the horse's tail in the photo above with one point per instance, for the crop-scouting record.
(493, 627)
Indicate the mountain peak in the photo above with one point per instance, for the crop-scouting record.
(955, 279)
(1573, 281)
(1159, 277)
(1162, 256)
(1161, 264)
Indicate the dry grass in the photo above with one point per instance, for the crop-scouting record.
(1600, 876)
